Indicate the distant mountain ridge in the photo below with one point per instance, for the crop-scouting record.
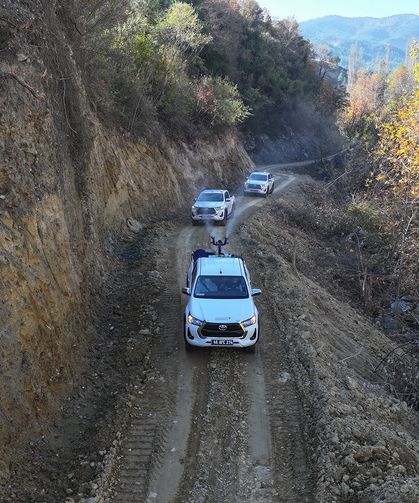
(372, 35)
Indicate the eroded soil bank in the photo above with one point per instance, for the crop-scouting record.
(70, 189)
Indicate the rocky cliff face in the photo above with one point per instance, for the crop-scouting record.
(68, 187)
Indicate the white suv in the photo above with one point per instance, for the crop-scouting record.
(220, 311)
(259, 182)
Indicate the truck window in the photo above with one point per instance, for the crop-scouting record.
(221, 287)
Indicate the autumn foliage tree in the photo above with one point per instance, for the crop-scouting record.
(396, 181)
(383, 115)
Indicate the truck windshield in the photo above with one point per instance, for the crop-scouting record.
(221, 287)
(211, 197)
(258, 178)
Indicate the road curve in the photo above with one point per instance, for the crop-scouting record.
(214, 425)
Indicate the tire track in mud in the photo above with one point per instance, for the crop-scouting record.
(145, 440)
(292, 470)
(217, 446)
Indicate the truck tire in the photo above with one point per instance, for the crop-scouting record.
(188, 347)
(223, 222)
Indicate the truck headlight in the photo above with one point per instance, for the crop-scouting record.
(220, 208)
(194, 321)
(250, 321)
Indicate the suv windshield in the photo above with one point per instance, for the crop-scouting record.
(211, 197)
(258, 178)
(221, 287)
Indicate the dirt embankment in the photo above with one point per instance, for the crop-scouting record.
(68, 186)
(364, 435)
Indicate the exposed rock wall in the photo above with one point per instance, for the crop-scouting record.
(68, 185)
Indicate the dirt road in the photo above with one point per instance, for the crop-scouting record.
(214, 425)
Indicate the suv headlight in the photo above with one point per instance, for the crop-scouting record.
(219, 208)
(250, 321)
(194, 321)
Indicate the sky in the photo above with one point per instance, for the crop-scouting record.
(309, 9)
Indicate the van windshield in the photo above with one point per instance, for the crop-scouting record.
(221, 287)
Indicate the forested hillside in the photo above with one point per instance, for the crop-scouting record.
(378, 40)
(194, 67)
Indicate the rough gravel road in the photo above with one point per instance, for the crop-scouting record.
(215, 425)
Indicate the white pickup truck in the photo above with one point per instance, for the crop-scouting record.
(213, 205)
(220, 310)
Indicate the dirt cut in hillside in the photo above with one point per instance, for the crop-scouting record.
(69, 189)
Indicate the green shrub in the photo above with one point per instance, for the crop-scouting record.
(366, 216)
(219, 100)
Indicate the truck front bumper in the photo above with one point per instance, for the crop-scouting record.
(218, 216)
(250, 190)
(194, 337)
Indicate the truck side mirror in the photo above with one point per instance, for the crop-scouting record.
(255, 292)
(186, 291)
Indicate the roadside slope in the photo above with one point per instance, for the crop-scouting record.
(70, 189)
(364, 440)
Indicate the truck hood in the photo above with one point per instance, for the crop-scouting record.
(222, 310)
(209, 204)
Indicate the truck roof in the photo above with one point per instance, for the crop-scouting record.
(216, 266)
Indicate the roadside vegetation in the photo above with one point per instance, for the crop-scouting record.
(194, 67)
(383, 175)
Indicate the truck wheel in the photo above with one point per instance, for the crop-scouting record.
(273, 187)
(250, 349)
(223, 222)
(188, 347)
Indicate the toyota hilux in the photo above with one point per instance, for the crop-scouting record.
(213, 205)
(220, 311)
(259, 182)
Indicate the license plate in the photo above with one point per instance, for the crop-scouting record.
(227, 342)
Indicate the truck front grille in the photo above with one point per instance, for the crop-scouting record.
(211, 330)
(206, 211)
